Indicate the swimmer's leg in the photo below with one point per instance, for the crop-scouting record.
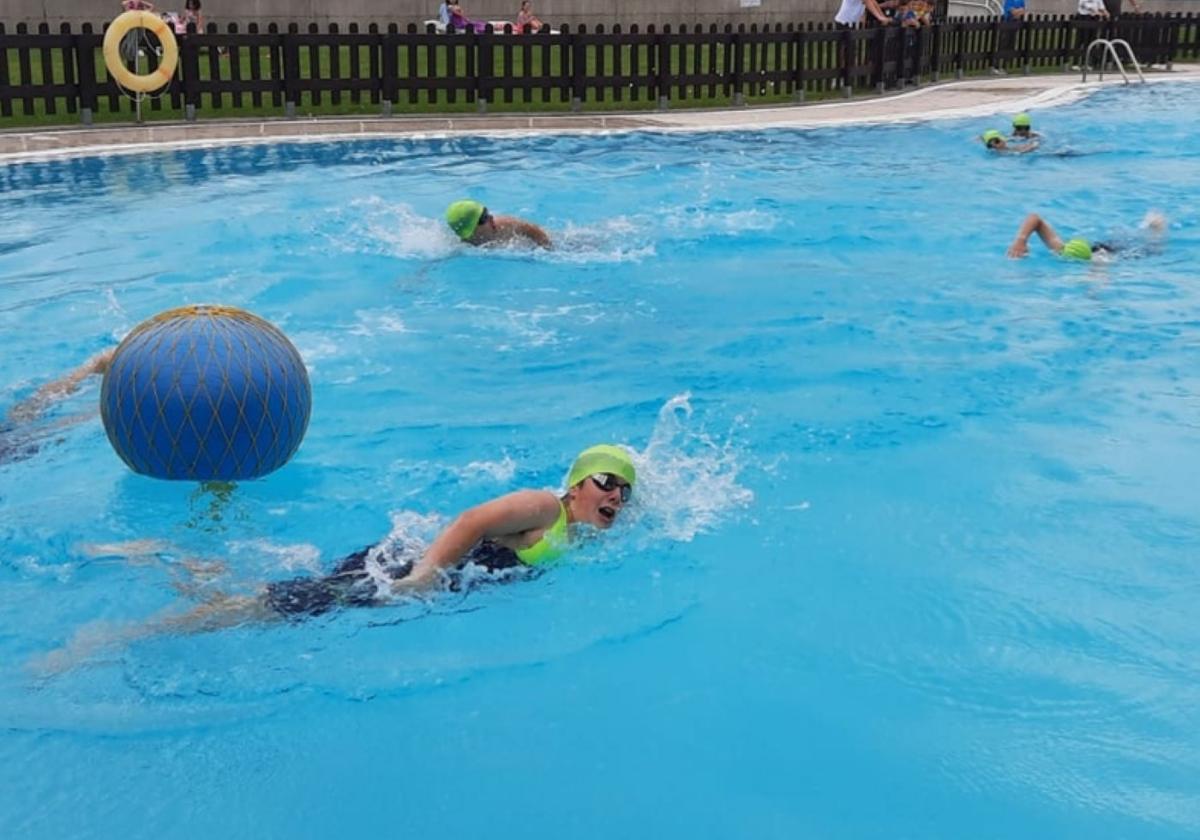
(220, 612)
(132, 550)
(189, 574)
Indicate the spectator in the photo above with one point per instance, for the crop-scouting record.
(444, 13)
(460, 21)
(852, 12)
(526, 16)
(914, 14)
(1092, 9)
(1014, 10)
(1113, 7)
(131, 43)
(191, 14)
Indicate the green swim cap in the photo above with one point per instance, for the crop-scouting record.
(990, 135)
(602, 458)
(1022, 121)
(463, 217)
(1077, 249)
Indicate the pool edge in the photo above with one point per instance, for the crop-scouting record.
(941, 100)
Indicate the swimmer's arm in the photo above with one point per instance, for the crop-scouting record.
(515, 513)
(35, 404)
(532, 231)
(1034, 224)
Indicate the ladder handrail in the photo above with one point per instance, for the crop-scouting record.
(1110, 50)
(1121, 42)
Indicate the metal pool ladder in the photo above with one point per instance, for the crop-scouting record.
(1110, 51)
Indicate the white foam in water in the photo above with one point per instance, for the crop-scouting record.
(502, 470)
(300, 557)
(615, 240)
(537, 327)
(373, 322)
(376, 225)
(687, 479)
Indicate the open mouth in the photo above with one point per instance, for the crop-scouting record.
(607, 514)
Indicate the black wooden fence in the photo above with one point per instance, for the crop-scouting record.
(43, 74)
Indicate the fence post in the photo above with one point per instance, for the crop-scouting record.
(936, 53)
(486, 67)
(663, 49)
(189, 61)
(1026, 36)
(880, 50)
(958, 50)
(1066, 36)
(1173, 40)
(739, 65)
(85, 65)
(995, 56)
(848, 47)
(578, 67)
(291, 71)
(801, 42)
(389, 70)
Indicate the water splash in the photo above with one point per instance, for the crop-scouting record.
(687, 478)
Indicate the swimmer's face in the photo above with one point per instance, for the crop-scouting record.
(1021, 130)
(995, 143)
(599, 498)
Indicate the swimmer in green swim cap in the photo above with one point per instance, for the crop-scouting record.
(995, 142)
(474, 224)
(1078, 248)
(1022, 128)
(526, 529)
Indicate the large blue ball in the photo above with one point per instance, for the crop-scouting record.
(205, 393)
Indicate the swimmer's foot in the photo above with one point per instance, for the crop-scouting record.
(1155, 221)
(85, 644)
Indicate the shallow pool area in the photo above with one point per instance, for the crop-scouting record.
(911, 553)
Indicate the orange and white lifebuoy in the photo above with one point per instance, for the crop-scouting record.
(145, 82)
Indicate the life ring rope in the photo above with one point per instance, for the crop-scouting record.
(121, 26)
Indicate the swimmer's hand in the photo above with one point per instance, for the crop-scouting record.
(1154, 221)
(1017, 250)
(423, 577)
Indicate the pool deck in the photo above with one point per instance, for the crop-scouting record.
(942, 100)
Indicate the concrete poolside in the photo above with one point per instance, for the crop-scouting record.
(973, 97)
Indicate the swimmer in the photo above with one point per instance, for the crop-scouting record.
(17, 436)
(1154, 224)
(995, 142)
(520, 531)
(474, 225)
(1022, 128)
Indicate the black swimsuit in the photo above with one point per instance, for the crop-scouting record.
(353, 584)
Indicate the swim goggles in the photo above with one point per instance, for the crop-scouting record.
(609, 482)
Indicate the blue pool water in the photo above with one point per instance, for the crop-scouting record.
(913, 554)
